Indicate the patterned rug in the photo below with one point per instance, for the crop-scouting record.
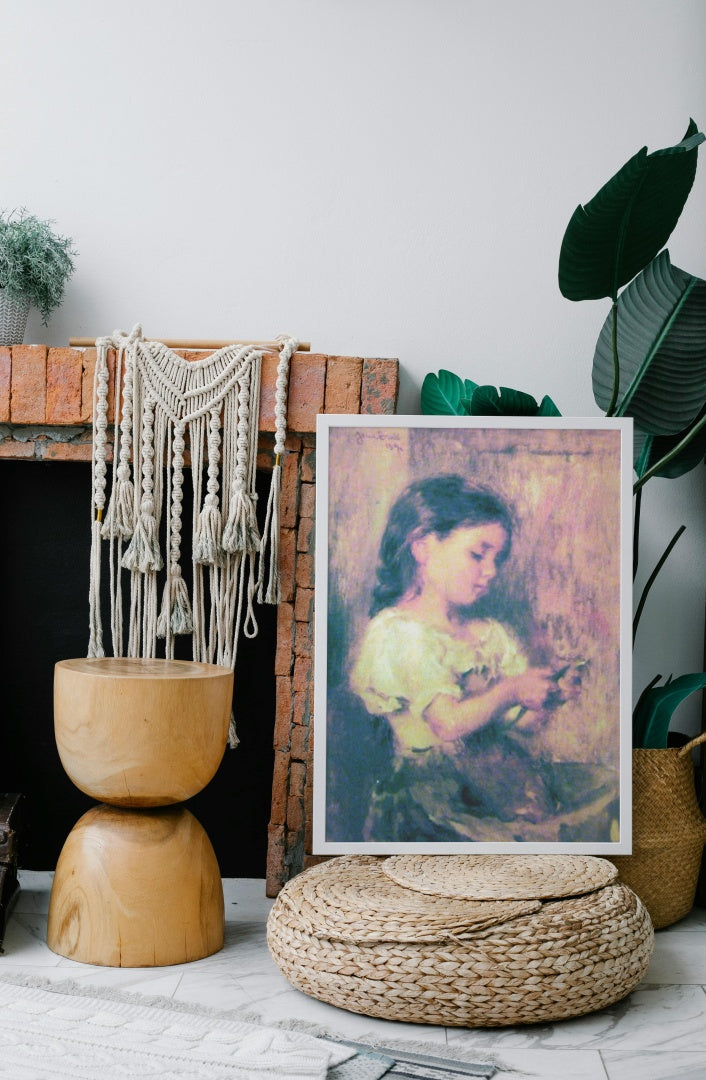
(65, 1031)
(62, 1031)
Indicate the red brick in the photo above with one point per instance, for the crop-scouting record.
(306, 392)
(343, 382)
(309, 811)
(301, 711)
(267, 391)
(64, 378)
(295, 814)
(88, 373)
(289, 500)
(284, 653)
(283, 712)
(300, 739)
(304, 605)
(297, 779)
(307, 383)
(275, 860)
(28, 384)
(287, 562)
(305, 535)
(309, 464)
(302, 673)
(5, 373)
(87, 377)
(280, 785)
(303, 640)
(305, 571)
(307, 500)
(53, 451)
(12, 448)
(379, 387)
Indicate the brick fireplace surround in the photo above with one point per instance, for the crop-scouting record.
(45, 415)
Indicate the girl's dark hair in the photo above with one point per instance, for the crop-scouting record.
(438, 505)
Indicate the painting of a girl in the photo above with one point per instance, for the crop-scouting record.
(472, 655)
(461, 698)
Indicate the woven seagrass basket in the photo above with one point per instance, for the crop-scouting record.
(348, 933)
(668, 833)
(13, 318)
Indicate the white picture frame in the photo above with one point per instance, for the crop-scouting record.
(410, 641)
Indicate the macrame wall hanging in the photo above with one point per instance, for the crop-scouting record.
(161, 401)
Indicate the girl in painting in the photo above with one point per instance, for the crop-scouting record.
(462, 701)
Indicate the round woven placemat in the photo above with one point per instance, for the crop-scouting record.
(500, 877)
(354, 900)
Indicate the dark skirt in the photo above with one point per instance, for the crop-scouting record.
(488, 788)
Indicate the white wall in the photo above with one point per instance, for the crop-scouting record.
(381, 177)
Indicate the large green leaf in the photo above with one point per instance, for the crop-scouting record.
(446, 394)
(610, 239)
(654, 711)
(649, 450)
(502, 401)
(661, 350)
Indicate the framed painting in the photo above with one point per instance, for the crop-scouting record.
(473, 635)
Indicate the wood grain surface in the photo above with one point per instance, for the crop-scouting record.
(136, 888)
(142, 733)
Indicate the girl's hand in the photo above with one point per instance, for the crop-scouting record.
(533, 689)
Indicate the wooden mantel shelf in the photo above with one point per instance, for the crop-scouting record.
(42, 387)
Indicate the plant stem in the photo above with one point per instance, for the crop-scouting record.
(691, 433)
(651, 579)
(616, 366)
(636, 533)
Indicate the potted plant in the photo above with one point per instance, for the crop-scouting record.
(649, 364)
(35, 264)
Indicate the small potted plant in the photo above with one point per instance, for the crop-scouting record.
(35, 264)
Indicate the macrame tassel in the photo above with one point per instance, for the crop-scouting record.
(95, 640)
(208, 540)
(120, 517)
(208, 549)
(175, 614)
(233, 739)
(241, 532)
(273, 593)
(143, 552)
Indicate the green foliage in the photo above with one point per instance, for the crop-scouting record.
(446, 394)
(671, 455)
(661, 344)
(35, 263)
(650, 359)
(610, 239)
(654, 710)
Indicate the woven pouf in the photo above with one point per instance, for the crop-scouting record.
(405, 939)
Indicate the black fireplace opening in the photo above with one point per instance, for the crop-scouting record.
(45, 529)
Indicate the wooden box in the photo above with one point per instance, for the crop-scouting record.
(10, 832)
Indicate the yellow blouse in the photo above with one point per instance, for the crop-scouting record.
(404, 663)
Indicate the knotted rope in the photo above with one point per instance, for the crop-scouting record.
(164, 404)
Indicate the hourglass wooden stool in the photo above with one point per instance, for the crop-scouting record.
(137, 883)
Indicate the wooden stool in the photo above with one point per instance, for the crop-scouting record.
(137, 886)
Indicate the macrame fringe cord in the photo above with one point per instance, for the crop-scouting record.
(159, 397)
(273, 593)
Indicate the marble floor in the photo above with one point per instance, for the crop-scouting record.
(658, 1033)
